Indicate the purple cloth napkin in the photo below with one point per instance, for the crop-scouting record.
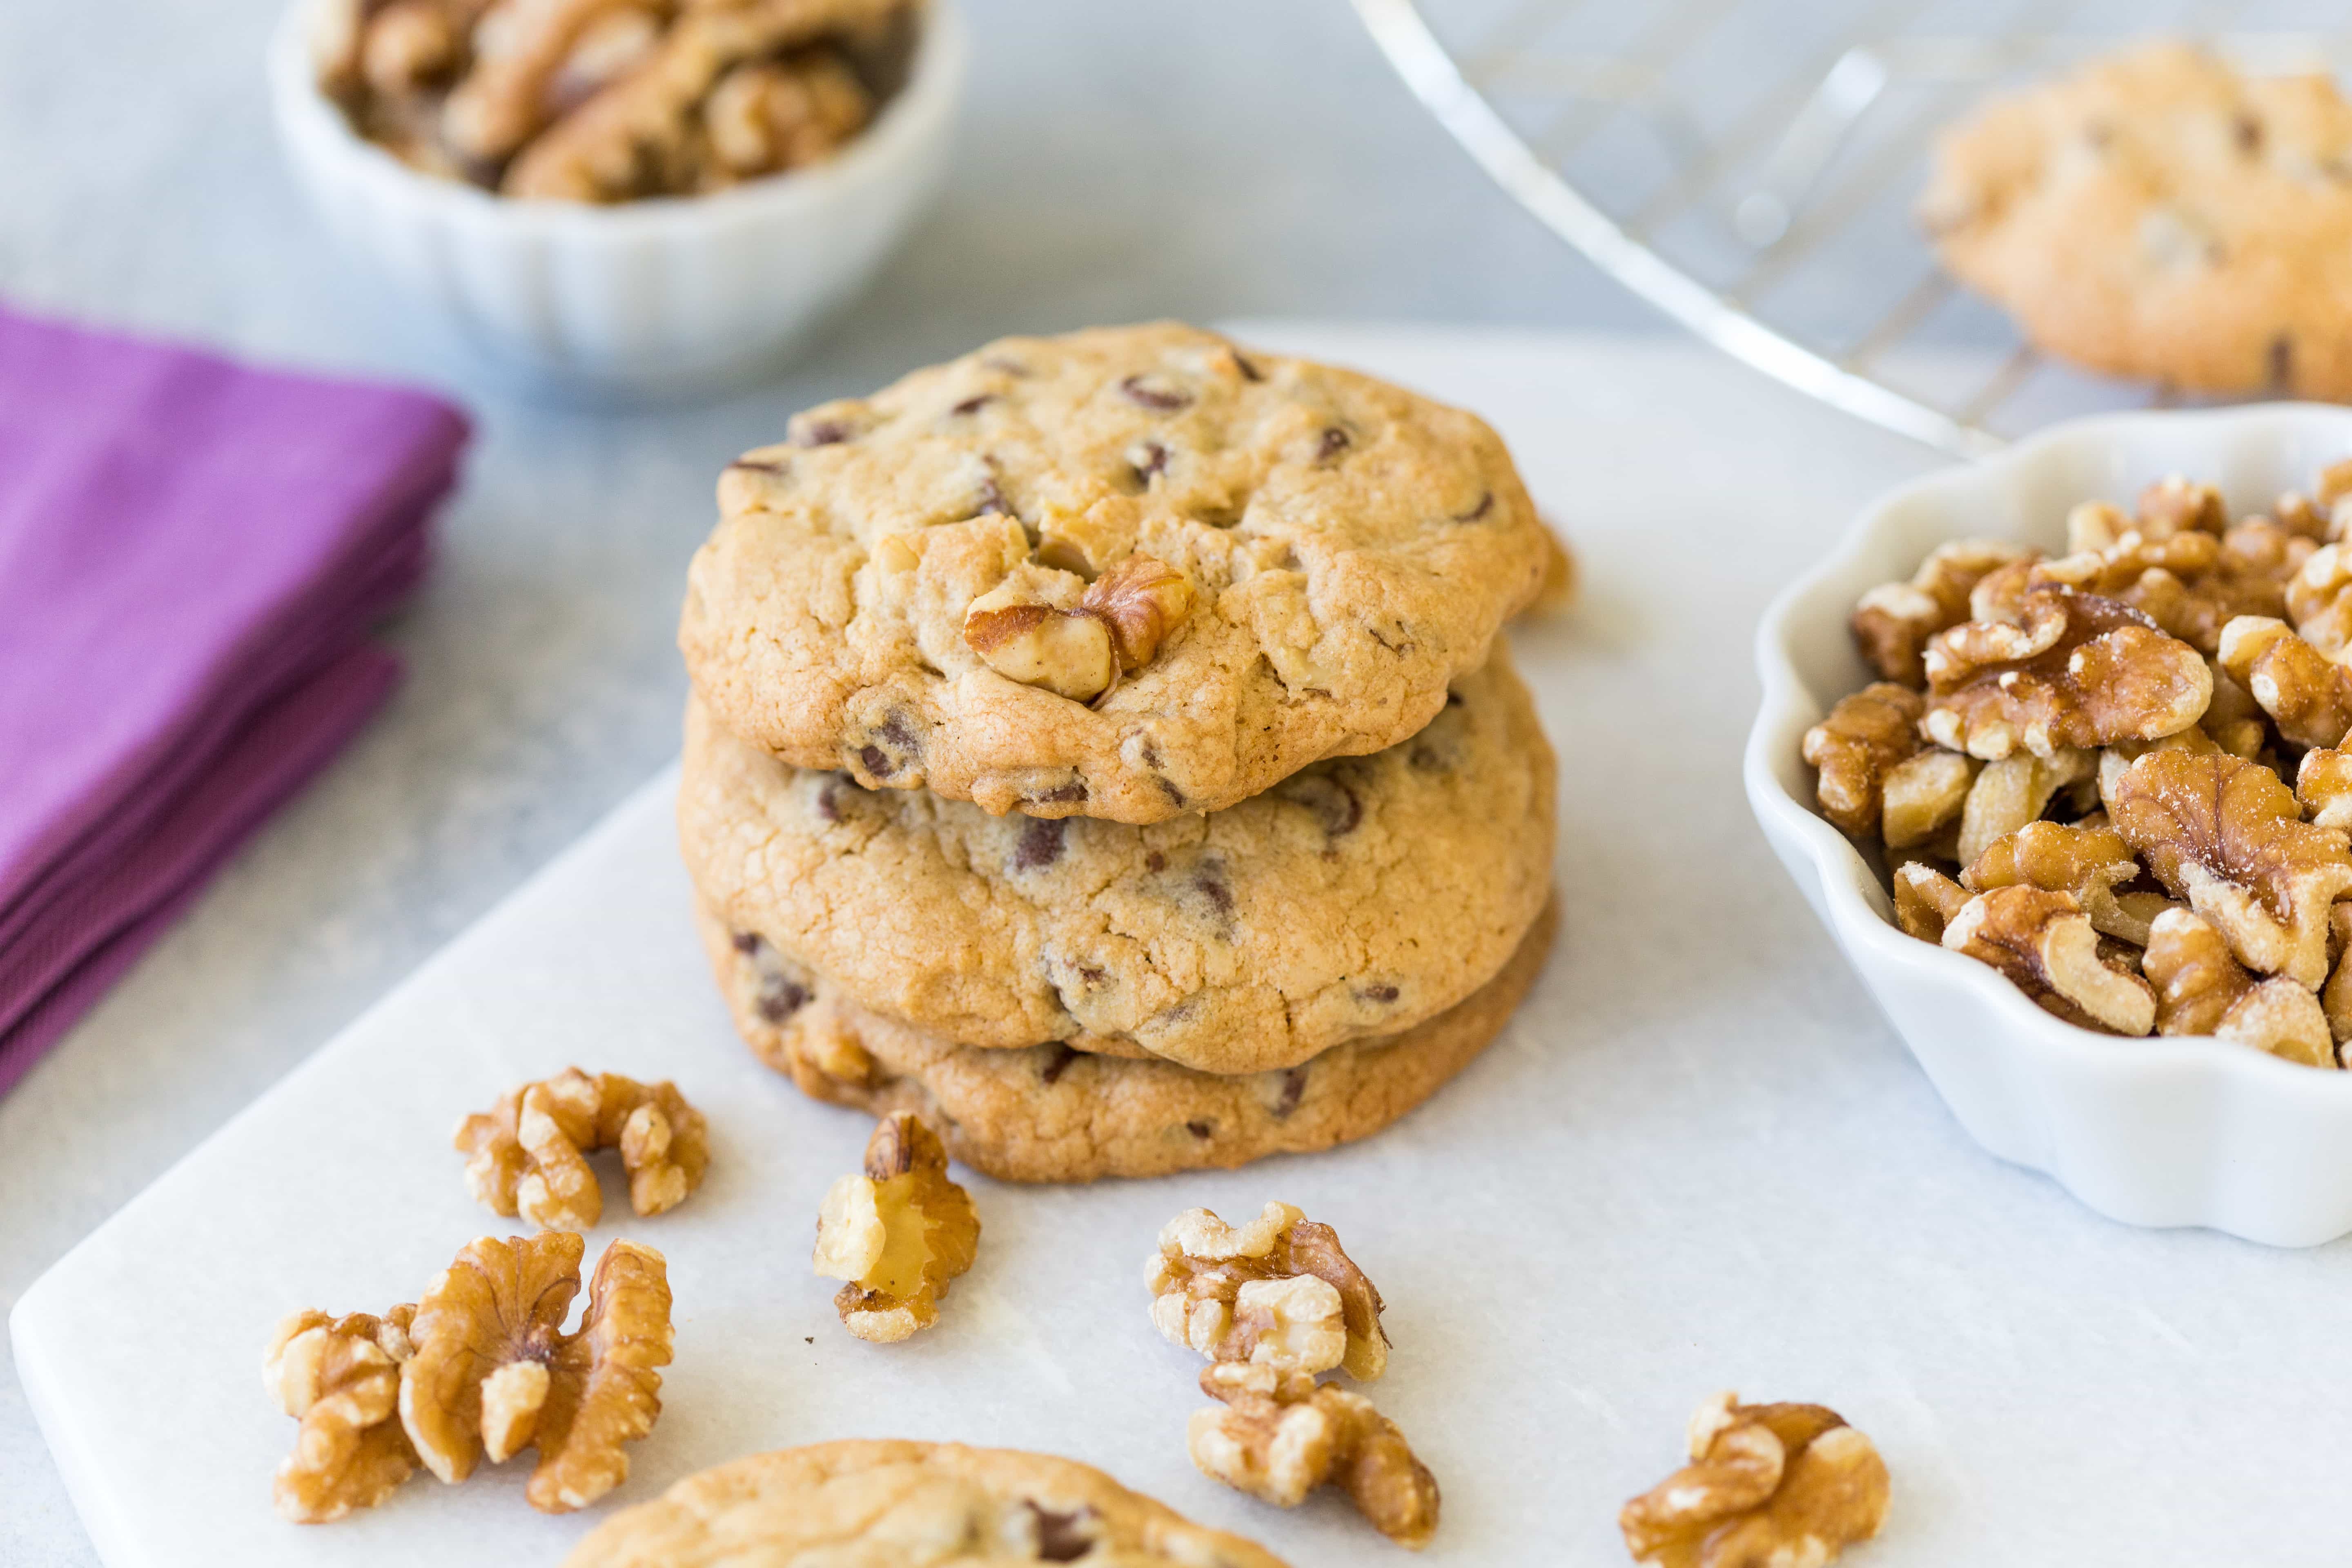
(190, 556)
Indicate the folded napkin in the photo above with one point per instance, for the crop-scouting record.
(192, 554)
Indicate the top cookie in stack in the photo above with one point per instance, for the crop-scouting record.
(1122, 573)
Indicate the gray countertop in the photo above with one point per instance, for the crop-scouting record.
(1210, 159)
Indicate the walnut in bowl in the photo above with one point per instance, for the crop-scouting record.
(2035, 763)
(619, 200)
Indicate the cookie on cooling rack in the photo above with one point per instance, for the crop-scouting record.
(1356, 898)
(876, 1503)
(2159, 216)
(1123, 574)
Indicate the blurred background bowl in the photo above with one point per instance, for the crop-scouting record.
(661, 300)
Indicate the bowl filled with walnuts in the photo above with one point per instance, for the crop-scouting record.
(2059, 745)
(619, 200)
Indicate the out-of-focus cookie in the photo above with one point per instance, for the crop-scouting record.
(1125, 574)
(907, 1505)
(1052, 1114)
(1358, 898)
(2158, 216)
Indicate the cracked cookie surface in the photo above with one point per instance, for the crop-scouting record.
(1356, 898)
(907, 1503)
(1348, 549)
(1052, 1114)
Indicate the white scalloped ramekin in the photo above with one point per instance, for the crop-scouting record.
(2149, 1131)
(641, 301)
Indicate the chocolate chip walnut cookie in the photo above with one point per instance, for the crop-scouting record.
(1124, 574)
(1356, 898)
(911, 1504)
(1049, 1113)
(2159, 216)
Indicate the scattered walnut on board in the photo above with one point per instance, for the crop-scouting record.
(340, 1377)
(494, 1373)
(1279, 1291)
(528, 1154)
(1769, 1486)
(1278, 1435)
(899, 1232)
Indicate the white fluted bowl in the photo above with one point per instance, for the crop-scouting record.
(2149, 1131)
(643, 301)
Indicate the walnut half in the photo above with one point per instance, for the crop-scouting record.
(2043, 942)
(899, 1233)
(1767, 1485)
(1277, 1292)
(2075, 669)
(1116, 628)
(1277, 1436)
(494, 1373)
(2202, 990)
(528, 1154)
(340, 1378)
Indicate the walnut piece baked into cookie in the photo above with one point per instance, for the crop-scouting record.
(2157, 215)
(1279, 1291)
(528, 1154)
(1299, 560)
(477, 1366)
(906, 1503)
(899, 1232)
(1767, 1484)
(2077, 767)
(609, 100)
(1052, 1114)
(1238, 941)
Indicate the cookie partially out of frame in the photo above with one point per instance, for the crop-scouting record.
(1052, 1114)
(906, 1505)
(1356, 898)
(2158, 216)
(1350, 548)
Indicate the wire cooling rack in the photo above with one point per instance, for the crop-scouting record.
(1749, 166)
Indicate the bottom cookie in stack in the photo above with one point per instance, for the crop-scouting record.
(1047, 1113)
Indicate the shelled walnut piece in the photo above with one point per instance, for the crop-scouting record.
(1280, 1292)
(899, 1233)
(494, 1373)
(2200, 989)
(2227, 836)
(480, 1364)
(1277, 1435)
(1115, 629)
(2045, 943)
(1768, 1486)
(528, 1154)
(2074, 669)
(340, 1378)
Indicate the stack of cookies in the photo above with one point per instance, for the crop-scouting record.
(1104, 747)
